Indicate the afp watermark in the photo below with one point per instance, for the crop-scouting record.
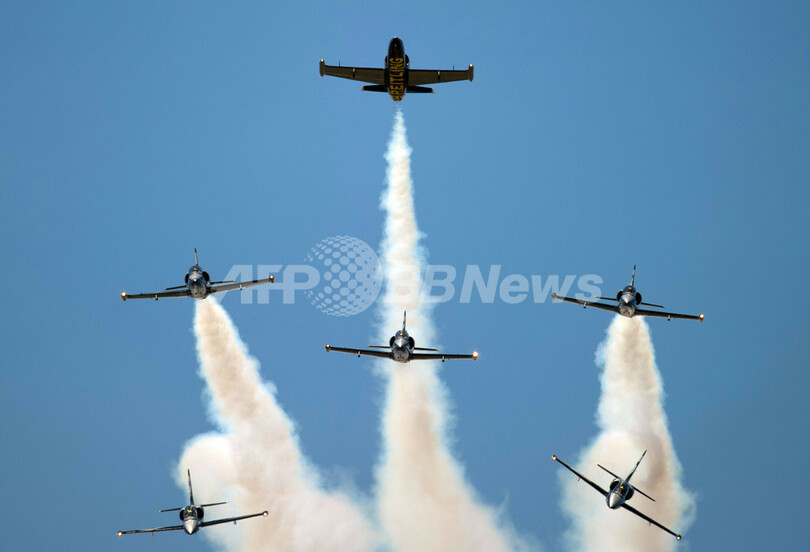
(343, 276)
(511, 289)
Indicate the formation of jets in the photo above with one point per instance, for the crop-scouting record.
(620, 492)
(396, 78)
(192, 517)
(627, 304)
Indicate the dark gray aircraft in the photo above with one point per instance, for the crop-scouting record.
(620, 492)
(198, 285)
(401, 348)
(192, 517)
(628, 301)
(397, 77)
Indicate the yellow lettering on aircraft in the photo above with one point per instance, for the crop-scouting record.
(396, 78)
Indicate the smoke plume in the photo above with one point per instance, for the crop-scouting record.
(424, 503)
(256, 461)
(631, 419)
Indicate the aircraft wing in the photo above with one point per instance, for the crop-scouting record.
(158, 294)
(440, 356)
(359, 352)
(155, 530)
(650, 520)
(595, 304)
(363, 74)
(662, 314)
(240, 285)
(580, 476)
(233, 519)
(435, 76)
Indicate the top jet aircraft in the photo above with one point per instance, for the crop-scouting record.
(628, 300)
(198, 285)
(401, 348)
(192, 517)
(397, 77)
(620, 492)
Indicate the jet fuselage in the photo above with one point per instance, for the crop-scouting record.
(197, 282)
(620, 492)
(401, 346)
(396, 69)
(191, 518)
(628, 299)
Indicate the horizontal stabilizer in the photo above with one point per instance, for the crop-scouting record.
(423, 349)
(608, 299)
(375, 88)
(418, 90)
(607, 470)
(643, 493)
(175, 287)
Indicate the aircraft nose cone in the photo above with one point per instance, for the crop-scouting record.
(190, 526)
(396, 48)
(613, 500)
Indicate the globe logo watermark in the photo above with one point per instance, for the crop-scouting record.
(342, 276)
(351, 276)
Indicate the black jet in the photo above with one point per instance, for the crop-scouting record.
(627, 304)
(401, 348)
(198, 285)
(397, 77)
(620, 492)
(192, 517)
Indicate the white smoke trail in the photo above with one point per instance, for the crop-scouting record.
(631, 418)
(424, 503)
(257, 461)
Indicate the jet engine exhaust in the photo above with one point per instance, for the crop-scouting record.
(423, 501)
(257, 456)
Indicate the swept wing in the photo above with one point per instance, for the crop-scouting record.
(233, 519)
(435, 76)
(650, 520)
(223, 286)
(582, 477)
(363, 74)
(584, 303)
(359, 352)
(155, 530)
(662, 314)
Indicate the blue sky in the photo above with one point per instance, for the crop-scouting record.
(594, 137)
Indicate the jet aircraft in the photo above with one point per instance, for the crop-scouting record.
(396, 77)
(628, 300)
(198, 285)
(192, 517)
(401, 348)
(620, 492)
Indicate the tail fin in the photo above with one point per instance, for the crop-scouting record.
(633, 283)
(404, 318)
(196, 262)
(375, 88)
(634, 469)
(190, 491)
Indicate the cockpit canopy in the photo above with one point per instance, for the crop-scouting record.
(191, 511)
